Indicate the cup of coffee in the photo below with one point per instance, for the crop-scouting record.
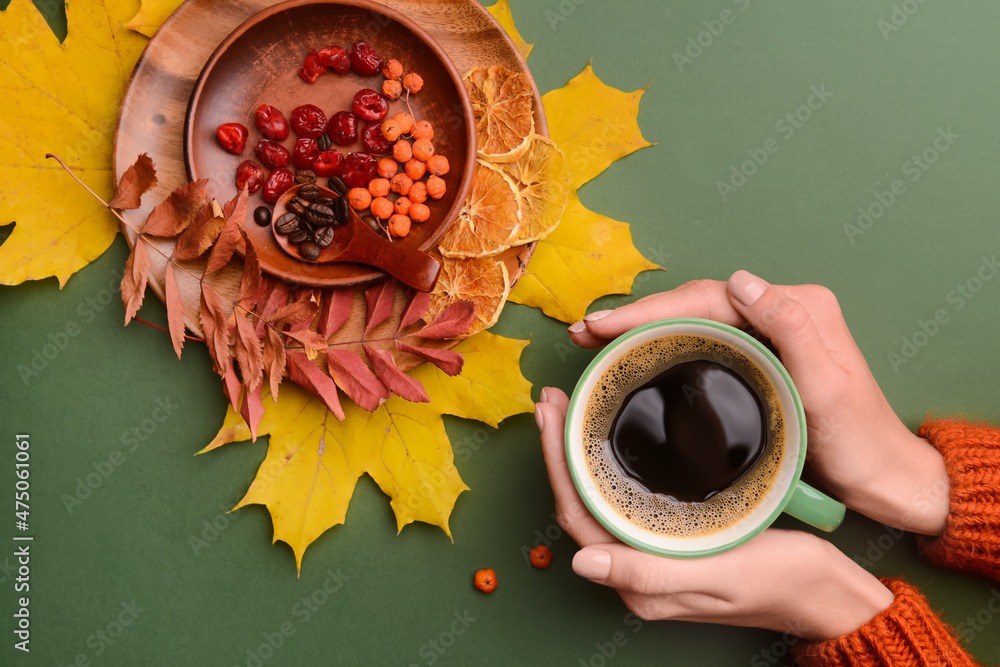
(686, 437)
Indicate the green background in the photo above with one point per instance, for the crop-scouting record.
(130, 540)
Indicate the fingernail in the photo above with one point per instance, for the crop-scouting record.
(579, 327)
(746, 287)
(544, 396)
(599, 315)
(539, 417)
(592, 563)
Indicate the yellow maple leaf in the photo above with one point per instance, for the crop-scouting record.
(314, 461)
(588, 255)
(501, 12)
(63, 99)
(152, 13)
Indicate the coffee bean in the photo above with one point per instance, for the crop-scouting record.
(262, 216)
(305, 226)
(297, 206)
(324, 200)
(309, 191)
(342, 210)
(337, 185)
(373, 223)
(287, 223)
(298, 236)
(305, 176)
(323, 237)
(321, 209)
(309, 251)
(324, 141)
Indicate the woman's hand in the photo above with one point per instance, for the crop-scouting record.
(858, 448)
(781, 580)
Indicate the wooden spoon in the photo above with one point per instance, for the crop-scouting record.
(357, 242)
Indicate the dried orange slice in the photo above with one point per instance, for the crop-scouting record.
(541, 178)
(502, 106)
(482, 280)
(488, 222)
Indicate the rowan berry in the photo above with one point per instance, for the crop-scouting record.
(417, 193)
(392, 89)
(401, 151)
(419, 212)
(423, 129)
(393, 69)
(401, 184)
(359, 198)
(413, 83)
(415, 169)
(387, 167)
(541, 556)
(438, 165)
(379, 187)
(402, 205)
(422, 149)
(382, 208)
(436, 187)
(486, 580)
(399, 225)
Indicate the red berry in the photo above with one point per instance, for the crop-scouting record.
(305, 153)
(233, 137)
(370, 105)
(364, 59)
(343, 128)
(272, 154)
(541, 556)
(373, 141)
(359, 169)
(486, 580)
(336, 57)
(249, 174)
(271, 122)
(311, 68)
(328, 163)
(308, 121)
(277, 182)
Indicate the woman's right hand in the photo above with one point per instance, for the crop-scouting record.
(858, 448)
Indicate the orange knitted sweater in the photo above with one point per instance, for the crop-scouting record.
(909, 633)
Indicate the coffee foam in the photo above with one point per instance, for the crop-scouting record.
(660, 513)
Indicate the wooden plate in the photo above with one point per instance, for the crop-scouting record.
(151, 118)
(258, 64)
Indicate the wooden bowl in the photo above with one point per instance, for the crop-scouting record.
(258, 64)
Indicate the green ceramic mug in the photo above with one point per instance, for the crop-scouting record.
(785, 492)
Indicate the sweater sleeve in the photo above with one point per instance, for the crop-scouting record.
(906, 634)
(971, 539)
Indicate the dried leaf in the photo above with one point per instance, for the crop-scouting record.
(173, 215)
(273, 351)
(311, 341)
(252, 409)
(396, 380)
(269, 304)
(231, 387)
(355, 378)
(336, 310)
(451, 323)
(236, 214)
(134, 279)
(137, 180)
(214, 323)
(200, 234)
(248, 353)
(415, 309)
(302, 371)
(310, 297)
(296, 312)
(250, 281)
(449, 361)
(379, 299)
(175, 309)
(501, 12)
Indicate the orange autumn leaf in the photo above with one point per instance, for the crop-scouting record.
(137, 180)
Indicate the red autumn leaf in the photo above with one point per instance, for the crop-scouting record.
(415, 309)
(453, 321)
(379, 303)
(137, 180)
(134, 279)
(311, 341)
(214, 324)
(250, 282)
(200, 234)
(336, 310)
(293, 313)
(356, 379)
(248, 353)
(252, 410)
(273, 352)
(176, 212)
(175, 309)
(276, 297)
(396, 380)
(310, 297)
(304, 372)
(235, 213)
(449, 361)
(231, 387)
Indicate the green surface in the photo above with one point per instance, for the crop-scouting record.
(130, 540)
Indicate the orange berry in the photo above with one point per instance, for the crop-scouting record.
(423, 130)
(486, 580)
(401, 184)
(391, 129)
(541, 556)
(438, 165)
(417, 193)
(399, 225)
(402, 205)
(401, 151)
(405, 121)
(387, 167)
(415, 169)
(419, 212)
(382, 208)
(413, 82)
(392, 89)
(423, 149)
(393, 69)
(359, 198)
(378, 187)
(436, 187)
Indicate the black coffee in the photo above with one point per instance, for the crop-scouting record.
(683, 435)
(690, 432)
